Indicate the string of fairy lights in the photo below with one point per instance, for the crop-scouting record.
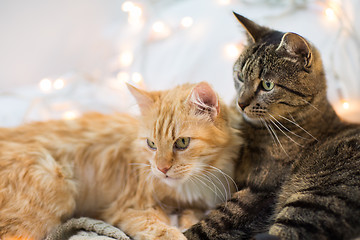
(334, 11)
(159, 30)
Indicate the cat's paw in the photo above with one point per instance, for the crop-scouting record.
(170, 234)
(166, 234)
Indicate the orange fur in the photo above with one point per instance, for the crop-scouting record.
(100, 166)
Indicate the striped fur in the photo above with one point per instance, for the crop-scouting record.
(299, 170)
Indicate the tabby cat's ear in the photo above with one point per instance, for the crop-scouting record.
(254, 30)
(204, 98)
(143, 98)
(296, 45)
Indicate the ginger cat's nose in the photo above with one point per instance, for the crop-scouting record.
(164, 169)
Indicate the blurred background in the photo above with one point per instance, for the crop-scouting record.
(59, 59)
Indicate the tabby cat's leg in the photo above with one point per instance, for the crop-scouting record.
(145, 224)
(321, 199)
(35, 192)
(320, 215)
(246, 213)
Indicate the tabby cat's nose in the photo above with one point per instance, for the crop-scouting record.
(243, 105)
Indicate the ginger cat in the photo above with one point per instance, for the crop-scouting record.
(130, 172)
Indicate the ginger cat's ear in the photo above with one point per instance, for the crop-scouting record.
(204, 98)
(143, 98)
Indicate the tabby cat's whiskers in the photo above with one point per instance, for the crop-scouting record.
(285, 128)
(293, 122)
(311, 188)
(277, 138)
(311, 105)
(268, 129)
(274, 123)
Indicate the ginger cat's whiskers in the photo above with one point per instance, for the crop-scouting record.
(213, 190)
(130, 171)
(226, 176)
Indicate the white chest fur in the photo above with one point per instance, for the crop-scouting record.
(210, 189)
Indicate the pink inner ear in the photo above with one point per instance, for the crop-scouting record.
(207, 96)
(204, 97)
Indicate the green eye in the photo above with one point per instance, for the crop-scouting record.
(182, 143)
(267, 85)
(151, 144)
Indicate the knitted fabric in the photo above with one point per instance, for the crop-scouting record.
(86, 228)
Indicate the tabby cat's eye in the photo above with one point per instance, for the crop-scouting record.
(151, 144)
(182, 143)
(267, 85)
(238, 76)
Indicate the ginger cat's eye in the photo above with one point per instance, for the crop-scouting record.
(267, 85)
(182, 143)
(151, 144)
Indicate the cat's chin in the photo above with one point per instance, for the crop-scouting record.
(172, 182)
(253, 121)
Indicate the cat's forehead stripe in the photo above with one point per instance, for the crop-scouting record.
(245, 66)
(248, 71)
(164, 126)
(158, 126)
(155, 127)
(168, 124)
(254, 61)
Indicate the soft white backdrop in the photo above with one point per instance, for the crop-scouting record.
(86, 49)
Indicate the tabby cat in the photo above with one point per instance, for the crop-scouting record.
(130, 172)
(299, 169)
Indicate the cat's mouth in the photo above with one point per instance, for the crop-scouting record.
(253, 120)
(168, 178)
(171, 181)
(251, 116)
